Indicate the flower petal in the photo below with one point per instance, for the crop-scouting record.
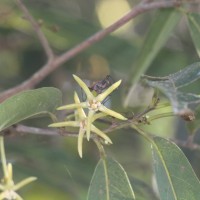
(10, 172)
(101, 134)
(98, 115)
(89, 122)
(84, 87)
(73, 106)
(80, 141)
(63, 124)
(23, 183)
(81, 112)
(103, 95)
(112, 113)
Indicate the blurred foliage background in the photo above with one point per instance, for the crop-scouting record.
(54, 160)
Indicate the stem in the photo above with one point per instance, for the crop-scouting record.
(148, 137)
(158, 116)
(163, 105)
(3, 157)
(100, 148)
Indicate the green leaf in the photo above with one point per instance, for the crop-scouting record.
(194, 25)
(175, 177)
(159, 32)
(110, 182)
(169, 85)
(28, 104)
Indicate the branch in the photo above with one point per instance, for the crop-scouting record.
(40, 131)
(137, 10)
(56, 132)
(184, 144)
(36, 27)
(54, 63)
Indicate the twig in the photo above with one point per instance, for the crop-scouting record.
(186, 144)
(43, 131)
(54, 63)
(36, 27)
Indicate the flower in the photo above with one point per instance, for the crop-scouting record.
(94, 103)
(96, 110)
(7, 186)
(82, 123)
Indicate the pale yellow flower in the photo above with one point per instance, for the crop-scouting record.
(82, 123)
(94, 103)
(96, 110)
(7, 186)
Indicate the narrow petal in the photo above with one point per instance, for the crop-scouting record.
(24, 182)
(112, 113)
(101, 134)
(103, 95)
(80, 141)
(73, 106)
(63, 124)
(81, 112)
(89, 122)
(10, 171)
(98, 115)
(84, 87)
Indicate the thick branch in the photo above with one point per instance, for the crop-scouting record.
(50, 132)
(57, 61)
(141, 8)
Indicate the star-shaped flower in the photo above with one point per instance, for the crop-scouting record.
(82, 123)
(7, 186)
(94, 103)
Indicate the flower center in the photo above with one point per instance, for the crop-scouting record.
(10, 194)
(94, 105)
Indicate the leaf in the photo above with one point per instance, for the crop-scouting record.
(159, 32)
(175, 177)
(169, 85)
(194, 25)
(110, 182)
(28, 104)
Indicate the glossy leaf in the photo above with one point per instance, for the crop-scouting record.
(169, 85)
(28, 104)
(175, 177)
(194, 25)
(159, 32)
(110, 182)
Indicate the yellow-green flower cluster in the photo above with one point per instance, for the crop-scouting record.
(8, 187)
(96, 110)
